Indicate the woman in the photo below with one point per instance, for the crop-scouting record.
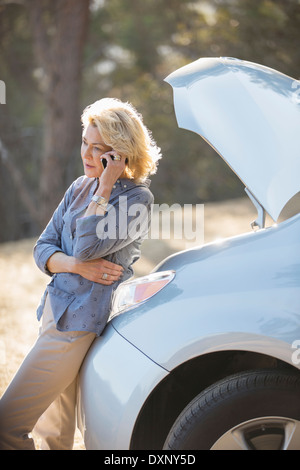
(87, 248)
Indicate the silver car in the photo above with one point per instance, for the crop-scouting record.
(204, 352)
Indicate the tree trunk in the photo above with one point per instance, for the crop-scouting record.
(17, 177)
(59, 30)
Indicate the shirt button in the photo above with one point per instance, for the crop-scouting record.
(114, 186)
(71, 237)
(125, 185)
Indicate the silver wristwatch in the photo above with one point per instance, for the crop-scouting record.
(101, 201)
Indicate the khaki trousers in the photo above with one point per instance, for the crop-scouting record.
(42, 395)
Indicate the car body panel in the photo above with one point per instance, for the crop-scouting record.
(239, 295)
(250, 114)
(114, 380)
(243, 293)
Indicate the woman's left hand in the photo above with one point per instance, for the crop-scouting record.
(107, 179)
(114, 168)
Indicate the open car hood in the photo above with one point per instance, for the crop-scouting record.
(250, 114)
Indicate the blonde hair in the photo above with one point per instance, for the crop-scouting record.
(121, 127)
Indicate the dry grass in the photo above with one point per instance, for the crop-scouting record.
(21, 283)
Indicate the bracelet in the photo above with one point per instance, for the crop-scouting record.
(100, 201)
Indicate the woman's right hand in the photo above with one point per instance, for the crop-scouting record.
(93, 270)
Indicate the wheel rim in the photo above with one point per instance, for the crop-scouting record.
(267, 433)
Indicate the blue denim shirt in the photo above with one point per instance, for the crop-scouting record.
(77, 303)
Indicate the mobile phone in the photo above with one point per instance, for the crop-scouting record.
(104, 161)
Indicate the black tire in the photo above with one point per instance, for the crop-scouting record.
(256, 410)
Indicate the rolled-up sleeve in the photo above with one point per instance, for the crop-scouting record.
(50, 240)
(124, 222)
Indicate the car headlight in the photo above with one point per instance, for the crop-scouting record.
(131, 294)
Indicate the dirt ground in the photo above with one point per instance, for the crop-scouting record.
(21, 283)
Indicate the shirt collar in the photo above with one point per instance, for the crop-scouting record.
(122, 184)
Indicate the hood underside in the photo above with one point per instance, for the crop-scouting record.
(250, 114)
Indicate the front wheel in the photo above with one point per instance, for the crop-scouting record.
(257, 410)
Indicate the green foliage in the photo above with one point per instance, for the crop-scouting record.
(132, 46)
(143, 41)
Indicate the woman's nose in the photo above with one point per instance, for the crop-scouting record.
(87, 151)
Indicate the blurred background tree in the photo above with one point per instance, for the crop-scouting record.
(57, 56)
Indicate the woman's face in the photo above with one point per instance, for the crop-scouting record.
(92, 148)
